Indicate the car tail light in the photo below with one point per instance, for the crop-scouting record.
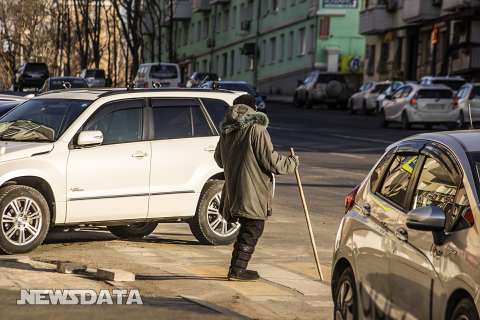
(350, 199)
(468, 217)
(455, 102)
(413, 101)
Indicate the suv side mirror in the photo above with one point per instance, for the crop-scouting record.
(430, 218)
(90, 138)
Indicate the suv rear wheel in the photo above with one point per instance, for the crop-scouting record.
(208, 225)
(24, 219)
(133, 231)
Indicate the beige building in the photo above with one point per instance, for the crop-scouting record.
(408, 39)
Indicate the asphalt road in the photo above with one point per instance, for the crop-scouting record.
(178, 278)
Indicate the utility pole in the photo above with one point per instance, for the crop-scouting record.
(256, 53)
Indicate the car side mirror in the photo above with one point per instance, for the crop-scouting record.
(430, 218)
(90, 138)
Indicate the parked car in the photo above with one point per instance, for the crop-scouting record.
(198, 78)
(455, 83)
(420, 104)
(98, 157)
(155, 75)
(95, 77)
(56, 83)
(387, 93)
(407, 247)
(329, 88)
(468, 100)
(239, 86)
(30, 75)
(366, 99)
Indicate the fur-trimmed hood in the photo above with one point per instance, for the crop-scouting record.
(241, 116)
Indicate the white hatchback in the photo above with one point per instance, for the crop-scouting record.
(156, 75)
(125, 159)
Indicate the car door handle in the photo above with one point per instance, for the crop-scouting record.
(139, 155)
(402, 234)
(210, 149)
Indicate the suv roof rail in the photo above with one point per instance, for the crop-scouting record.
(114, 92)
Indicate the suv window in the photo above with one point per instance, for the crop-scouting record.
(437, 188)
(176, 119)
(120, 122)
(216, 108)
(397, 178)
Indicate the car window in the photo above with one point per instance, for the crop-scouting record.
(216, 108)
(120, 122)
(176, 119)
(380, 88)
(434, 94)
(163, 71)
(437, 188)
(453, 84)
(397, 178)
(476, 90)
(380, 169)
(398, 93)
(406, 92)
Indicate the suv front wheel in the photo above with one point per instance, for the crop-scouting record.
(24, 219)
(208, 225)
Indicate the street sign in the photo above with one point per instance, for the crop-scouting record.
(340, 3)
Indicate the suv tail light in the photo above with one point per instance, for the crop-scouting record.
(350, 199)
(413, 101)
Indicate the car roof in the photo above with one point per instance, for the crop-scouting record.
(469, 140)
(457, 78)
(93, 94)
(417, 86)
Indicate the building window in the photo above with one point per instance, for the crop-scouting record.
(192, 33)
(311, 40)
(217, 64)
(302, 42)
(219, 21)
(281, 52)
(382, 67)
(204, 65)
(225, 20)
(206, 28)
(225, 64)
(199, 30)
(263, 52)
(185, 34)
(324, 27)
(273, 50)
(234, 18)
(283, 4)
(275, 5)
(240, 62)
(371, 60)
(291, 44)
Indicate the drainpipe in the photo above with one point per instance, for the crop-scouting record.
(256, 51)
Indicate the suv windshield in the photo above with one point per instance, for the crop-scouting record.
(36, 67)
(162, 71)
(40, 119)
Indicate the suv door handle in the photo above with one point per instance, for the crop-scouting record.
(210, 149)
(139, 155)
(402, 234)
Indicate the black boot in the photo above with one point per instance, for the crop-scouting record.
(235, 274)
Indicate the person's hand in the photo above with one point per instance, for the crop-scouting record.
(296, 159)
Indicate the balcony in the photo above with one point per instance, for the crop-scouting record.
(182, 10)
(451, 5)
(416, 11)
(200, 5)
(375, 20)
(212, 2)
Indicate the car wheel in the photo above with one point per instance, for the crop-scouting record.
(406, 125)
(134, 230)
(465, 310)
(208, 225)
(383, 119)
(24, 219)
(364, 107)
(345, 297)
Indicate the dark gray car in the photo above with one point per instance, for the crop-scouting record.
(408, 246)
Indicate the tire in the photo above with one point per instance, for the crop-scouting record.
(207, 226)
(406, 125)
(465, 309)
(382, 119)
(133, 231)
(345, 297)
(34, 215)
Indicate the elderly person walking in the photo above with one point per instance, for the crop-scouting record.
(245, 151)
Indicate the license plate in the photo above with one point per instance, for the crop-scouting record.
(436, 107)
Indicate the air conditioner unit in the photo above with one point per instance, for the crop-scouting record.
(210, 43)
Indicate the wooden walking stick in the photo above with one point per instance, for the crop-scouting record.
(307, 217)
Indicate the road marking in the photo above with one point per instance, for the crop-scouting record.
(347, 155)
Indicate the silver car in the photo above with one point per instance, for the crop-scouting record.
(408, 246)
(468, 100)
(366, 99)
(419, 104)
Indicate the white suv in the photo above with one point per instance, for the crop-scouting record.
(125, 159)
